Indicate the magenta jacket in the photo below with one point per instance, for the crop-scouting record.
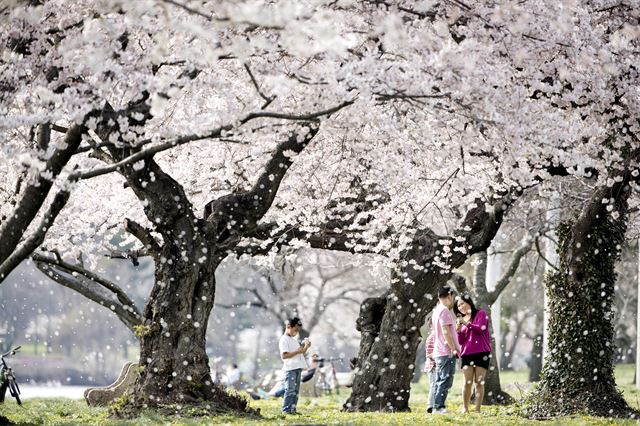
(474, 337)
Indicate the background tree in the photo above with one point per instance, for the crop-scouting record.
(308, 283)
(485, 300)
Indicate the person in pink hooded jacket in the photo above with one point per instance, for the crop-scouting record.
(475, 347)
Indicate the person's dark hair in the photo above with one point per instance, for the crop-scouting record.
(445, 291)
(467, 298)
(294, 321)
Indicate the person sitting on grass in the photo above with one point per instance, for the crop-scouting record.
(277, 390)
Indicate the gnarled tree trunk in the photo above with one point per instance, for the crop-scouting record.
(174, 364)
(174, 367)
(386, 359)
(578, 373)
(388, 351)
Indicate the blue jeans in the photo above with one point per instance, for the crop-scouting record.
(445, 368)
(291, 389)
(432, 389)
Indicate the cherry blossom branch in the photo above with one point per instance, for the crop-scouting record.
(35, 194)
(59, 129)
(79, 270)
(143, 235)
(325, 238)
(213, 18)
(37, 237)
(189, 9)
(422, 15)
(127, 312)
(267, 99)
(402, 95)
(44, 136)
(212, 134)
(235, 215)
(132, 255)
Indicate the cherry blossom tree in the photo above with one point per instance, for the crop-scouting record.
(562, 102)
(310, 284)
(435, 118)
(186, 247)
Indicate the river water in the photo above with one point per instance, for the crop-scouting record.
(38, 391)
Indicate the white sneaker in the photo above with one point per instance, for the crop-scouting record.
(439, 411)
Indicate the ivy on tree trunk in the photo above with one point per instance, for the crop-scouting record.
(578, 373)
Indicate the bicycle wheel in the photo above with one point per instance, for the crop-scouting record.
(3, 390)
(14, 391)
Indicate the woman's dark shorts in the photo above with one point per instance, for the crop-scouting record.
(480, 359)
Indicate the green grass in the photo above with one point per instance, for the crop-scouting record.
(323, 411)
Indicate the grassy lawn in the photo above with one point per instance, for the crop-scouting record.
(323, 411)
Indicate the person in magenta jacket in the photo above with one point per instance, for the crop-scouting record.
(475, 347)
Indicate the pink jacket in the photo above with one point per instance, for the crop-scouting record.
(474, 336)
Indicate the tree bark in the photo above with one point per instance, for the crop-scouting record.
(174, 366)
(578, 374)
(493, 393)
(535, 362)
(388, 350)
(12, 229)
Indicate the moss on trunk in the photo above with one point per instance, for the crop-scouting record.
(578, 375)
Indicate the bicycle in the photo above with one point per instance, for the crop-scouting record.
(327, 377)
(8, 378)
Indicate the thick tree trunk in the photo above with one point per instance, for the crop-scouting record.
(174, 366)
(368, 324)
(578, 373)
(388, 346)
(173, 361)
(388, 350)
(493, 393)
